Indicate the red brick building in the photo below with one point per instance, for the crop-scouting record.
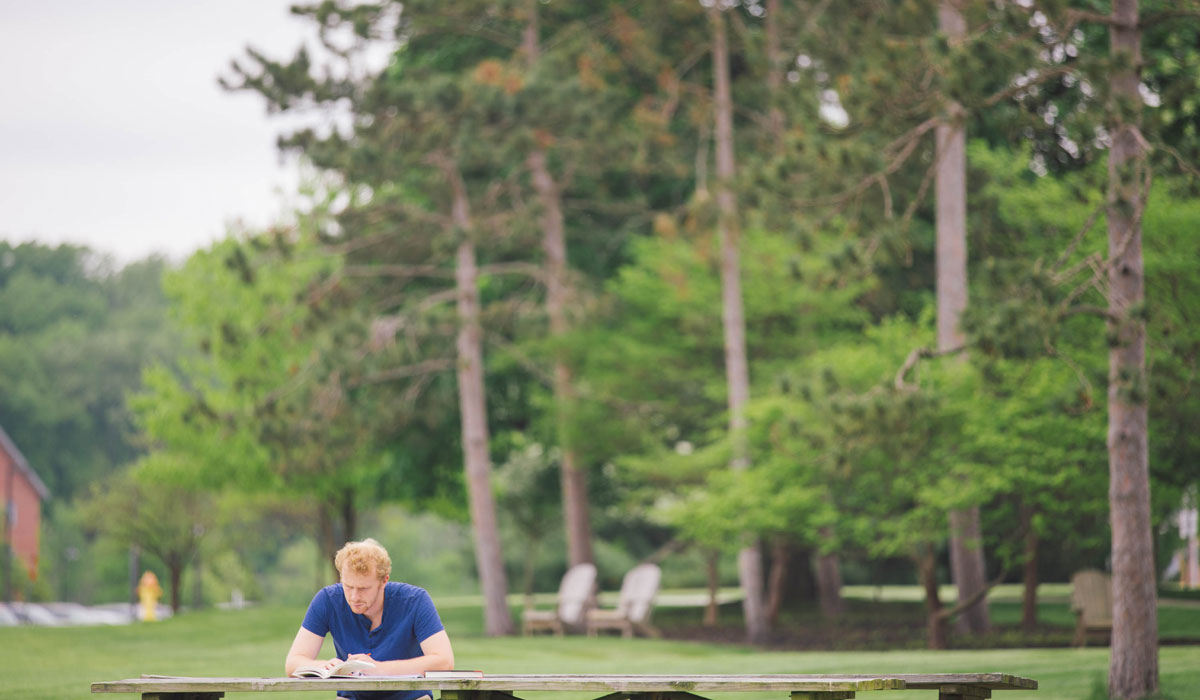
(21, 496)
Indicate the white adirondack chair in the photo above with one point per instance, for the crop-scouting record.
(634, 606)
(573, 594)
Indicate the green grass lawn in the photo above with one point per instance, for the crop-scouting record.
(61, 663)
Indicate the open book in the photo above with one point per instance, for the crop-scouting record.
(347, 669)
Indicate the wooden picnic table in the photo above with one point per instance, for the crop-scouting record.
(950, 686)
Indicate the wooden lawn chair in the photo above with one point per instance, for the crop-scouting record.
(573, 594)
(634, 605)
(1091, 599)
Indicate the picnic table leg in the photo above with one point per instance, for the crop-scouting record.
(963, 692)
(653, 695)
(478, 695)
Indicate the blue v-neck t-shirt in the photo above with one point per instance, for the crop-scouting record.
(409, 618)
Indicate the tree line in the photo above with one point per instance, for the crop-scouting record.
(863, 280)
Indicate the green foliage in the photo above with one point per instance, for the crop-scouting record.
(1042, 247)
(75, 334)
(1173, 340)
(164, 520)
(243, 318)
(320, 356)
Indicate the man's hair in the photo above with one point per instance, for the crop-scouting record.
(361, 557)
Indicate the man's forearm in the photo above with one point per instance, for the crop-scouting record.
(410, 667)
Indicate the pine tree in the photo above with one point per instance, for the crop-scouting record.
(966, 548)
(1133, 667)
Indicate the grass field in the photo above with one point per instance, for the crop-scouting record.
(61, 663)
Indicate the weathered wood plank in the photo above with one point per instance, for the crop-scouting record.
(624, 684)
(992, 681)
(932, 681)
(512, 683)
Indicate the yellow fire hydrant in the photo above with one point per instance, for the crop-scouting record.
(149, 592)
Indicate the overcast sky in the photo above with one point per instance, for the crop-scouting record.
(115, 134)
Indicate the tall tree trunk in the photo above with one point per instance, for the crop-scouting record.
(473, 408)
(175, 574)
(1029, 600)
(967, 567)
(531, 547)
(197, 580)
(349, 517)
(775, 61)
(935, 622)
(576, 514)
(737, 374)
(135, 570)
(829, 586)
(781, 553)
(829, 581)
(966, 550)
(714, 587)
(325, 543)
(1133, 667)
(574, 481)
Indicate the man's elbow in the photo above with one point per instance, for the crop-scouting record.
(292, 662)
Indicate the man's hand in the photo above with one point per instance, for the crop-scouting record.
(363, 657)
(436, 655)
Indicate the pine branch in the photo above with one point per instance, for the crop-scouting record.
(414, 370)
(1097, 281)
(946, 613)
(1180, 160)
(402, 271)
(1154, 18)
(537, 369)
(1088, 262)
(926, 181)
(904, 146)
(1041, 77)
(916, 356)
(386, 214)
(1074, 17)
(514, 268)
(456, 25)
(1087, 225)
(1090, 309)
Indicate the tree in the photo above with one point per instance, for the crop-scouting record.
(473, 410)
(75, 333)
(265, 402)
(1049, 371)
(576, 516)
(1133, 667)
(166, 521)
(732, 315)
(420, 147)
(966, 551)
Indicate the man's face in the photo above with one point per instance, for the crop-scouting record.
(364, 592)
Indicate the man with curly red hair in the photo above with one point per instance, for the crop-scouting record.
(390, 624)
